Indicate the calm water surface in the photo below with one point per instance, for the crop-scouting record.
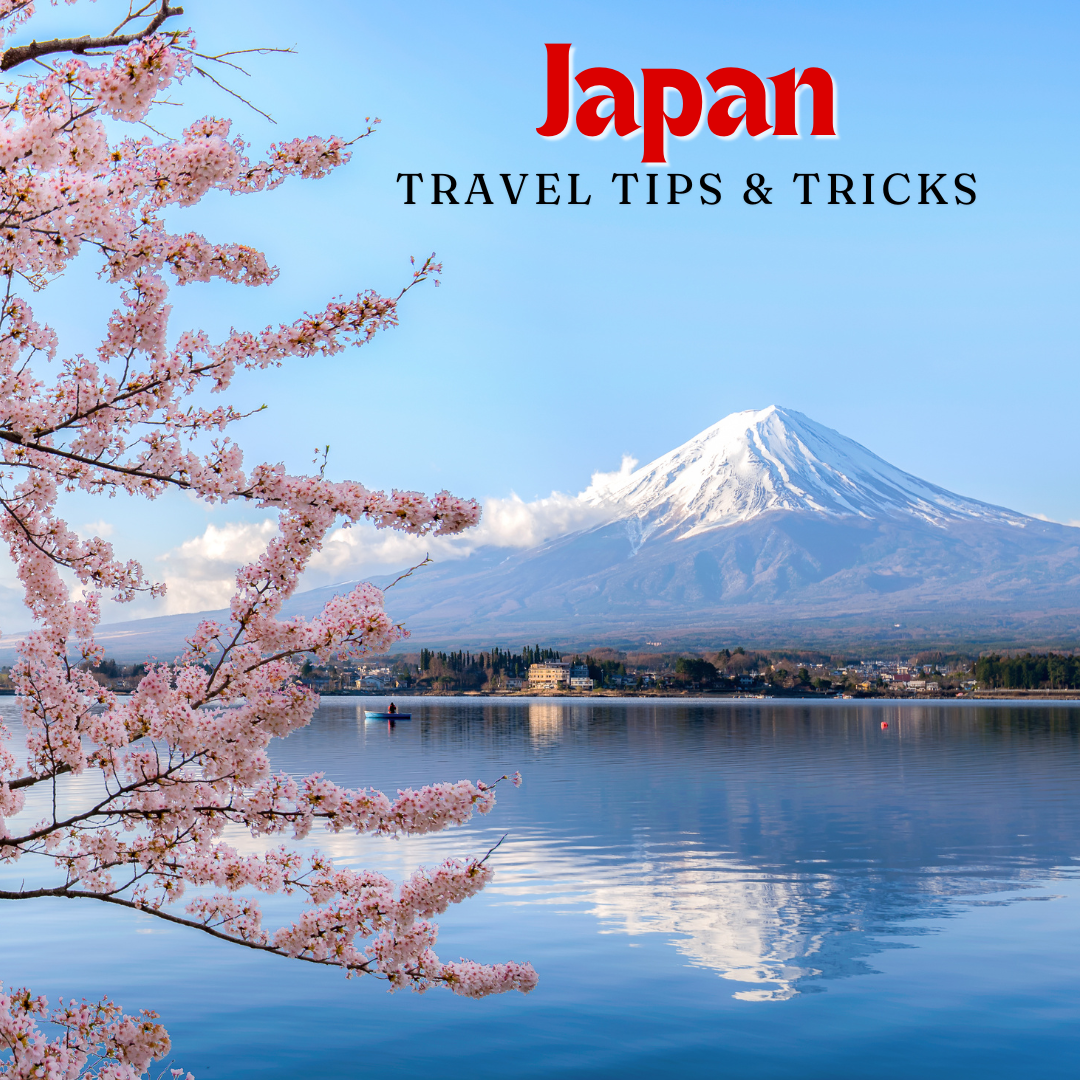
(745, 889)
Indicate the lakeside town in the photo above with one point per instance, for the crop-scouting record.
(608, 672)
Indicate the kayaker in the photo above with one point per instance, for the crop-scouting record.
(392, 709)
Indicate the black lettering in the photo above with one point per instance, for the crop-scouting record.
(545, 188)
(513, 195)
(885, 188)
(625, 177)
(675, 192)
(709, 188)
(805, 177)
(964, 188)
(757, 186)
(927, 188)
(409, 177)
(478, 178)
(574, 200)
(437, 177)
(833, 177)
(869, 200)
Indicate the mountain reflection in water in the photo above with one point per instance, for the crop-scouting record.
(779, 845)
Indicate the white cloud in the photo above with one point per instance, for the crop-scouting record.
(201, 572)
(506, 523)
(95, 528)
(518, 524)
(515, 523)
(604, 484)
(1073, 523)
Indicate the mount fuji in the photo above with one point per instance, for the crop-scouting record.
(753, 463)
(774, 527)
(766, 528)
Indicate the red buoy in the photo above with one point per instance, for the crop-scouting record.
(884, 725)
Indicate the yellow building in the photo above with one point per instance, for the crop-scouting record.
(550, 675)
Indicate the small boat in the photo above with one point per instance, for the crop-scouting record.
(368, 715)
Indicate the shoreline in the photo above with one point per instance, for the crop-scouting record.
(719, 695)
(688, 695)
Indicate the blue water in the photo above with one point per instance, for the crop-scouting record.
(746, 889)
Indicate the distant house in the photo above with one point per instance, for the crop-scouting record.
(550, 675)
(510, 682)
(579, 678)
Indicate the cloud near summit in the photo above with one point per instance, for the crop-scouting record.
(200, 572)
(507, 523)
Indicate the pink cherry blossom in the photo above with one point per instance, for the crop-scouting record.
(183, 758)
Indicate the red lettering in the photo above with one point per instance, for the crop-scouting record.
(656, 119)
(593, 122)
(558, 91)
(753, 97)
(589, 120)
(787, 111)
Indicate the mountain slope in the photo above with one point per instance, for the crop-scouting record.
(766, 526)
(781, 566)
(764, 518)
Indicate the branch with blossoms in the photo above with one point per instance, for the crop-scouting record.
(80, 46)
(343, 905)
(185, 757)
(95, 1042)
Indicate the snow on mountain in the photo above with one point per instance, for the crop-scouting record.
(752, 462)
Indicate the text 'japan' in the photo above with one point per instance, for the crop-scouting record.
(656, 122)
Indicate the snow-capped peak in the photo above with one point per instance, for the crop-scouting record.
(752, 462)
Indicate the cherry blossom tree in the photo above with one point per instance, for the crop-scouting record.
(183, 758)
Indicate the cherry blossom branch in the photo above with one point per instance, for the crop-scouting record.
(20, 54)
(185, 757)
(30, 781)
(232, 93)
(426, 561)
(192, 924)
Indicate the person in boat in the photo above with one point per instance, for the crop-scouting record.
(392, 709)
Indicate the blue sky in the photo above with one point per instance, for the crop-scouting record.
(942, 338)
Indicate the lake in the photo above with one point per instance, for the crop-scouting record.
(744, 888)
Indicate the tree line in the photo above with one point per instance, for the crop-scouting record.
(1046, 671)
(466, 670)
